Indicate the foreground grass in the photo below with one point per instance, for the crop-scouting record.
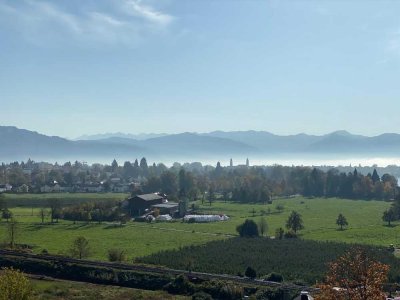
(59, 289)
(140, 239)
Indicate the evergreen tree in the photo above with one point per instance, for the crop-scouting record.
(114, 165)
(375, 177)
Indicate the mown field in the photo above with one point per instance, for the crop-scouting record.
(60, 290)
(140, 239)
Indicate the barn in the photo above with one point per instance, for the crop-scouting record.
(138, 204)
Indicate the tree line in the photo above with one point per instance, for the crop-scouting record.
(256, 184)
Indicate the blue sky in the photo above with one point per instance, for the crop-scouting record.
(80, 67)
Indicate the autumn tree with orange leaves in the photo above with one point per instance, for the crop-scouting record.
(354, 276)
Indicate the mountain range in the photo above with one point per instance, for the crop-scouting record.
(21, 144)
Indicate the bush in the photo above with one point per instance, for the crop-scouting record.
(116, 255)
(201, 296)
(290, 235)
(180, 285)
(271, 294)
(276, 277)
(14, 285)
(250, 272)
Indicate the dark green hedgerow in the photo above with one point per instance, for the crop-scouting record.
(296, 259)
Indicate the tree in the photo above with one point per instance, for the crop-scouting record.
(263, 226)
(250, 272)
(389, 216)
(43, 213)
(279, 233)
(248, 229)
(80, 248)
(211, 195)
(114, 165)
(6, 214)
(144, 167)
(12, 229)
(14, 285)
(294, 222)
(355, 276)
(341, 221)
(375, 177)
(55, 209)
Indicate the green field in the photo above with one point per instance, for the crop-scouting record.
(140, 239)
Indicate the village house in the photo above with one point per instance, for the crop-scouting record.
(5, 188)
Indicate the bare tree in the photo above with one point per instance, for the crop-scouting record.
(263, 226)
(12, 229)
(80, 248)
(43, 214)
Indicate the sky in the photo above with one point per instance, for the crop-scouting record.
(74, 67)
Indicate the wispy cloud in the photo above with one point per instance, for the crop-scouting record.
(116, 21)
(137, 8)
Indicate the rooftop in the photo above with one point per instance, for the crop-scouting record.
(149, 197)
(166, 205)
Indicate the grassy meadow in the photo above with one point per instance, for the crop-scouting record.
(140, 239)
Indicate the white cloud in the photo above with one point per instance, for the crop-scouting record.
(116, 21)
(137, 8)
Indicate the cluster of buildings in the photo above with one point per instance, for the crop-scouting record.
(156, 206)
(142, 205)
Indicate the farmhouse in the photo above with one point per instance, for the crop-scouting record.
(137, 205)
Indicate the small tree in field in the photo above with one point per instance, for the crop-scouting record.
(389, 216)
(279, 233)
(355, 276)
(294, 222)
(248, 229)
(14, 285)
(12, 229)
(80, 248)
(263, 226)
(6, 214)
(341, 221)
(42, 214)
